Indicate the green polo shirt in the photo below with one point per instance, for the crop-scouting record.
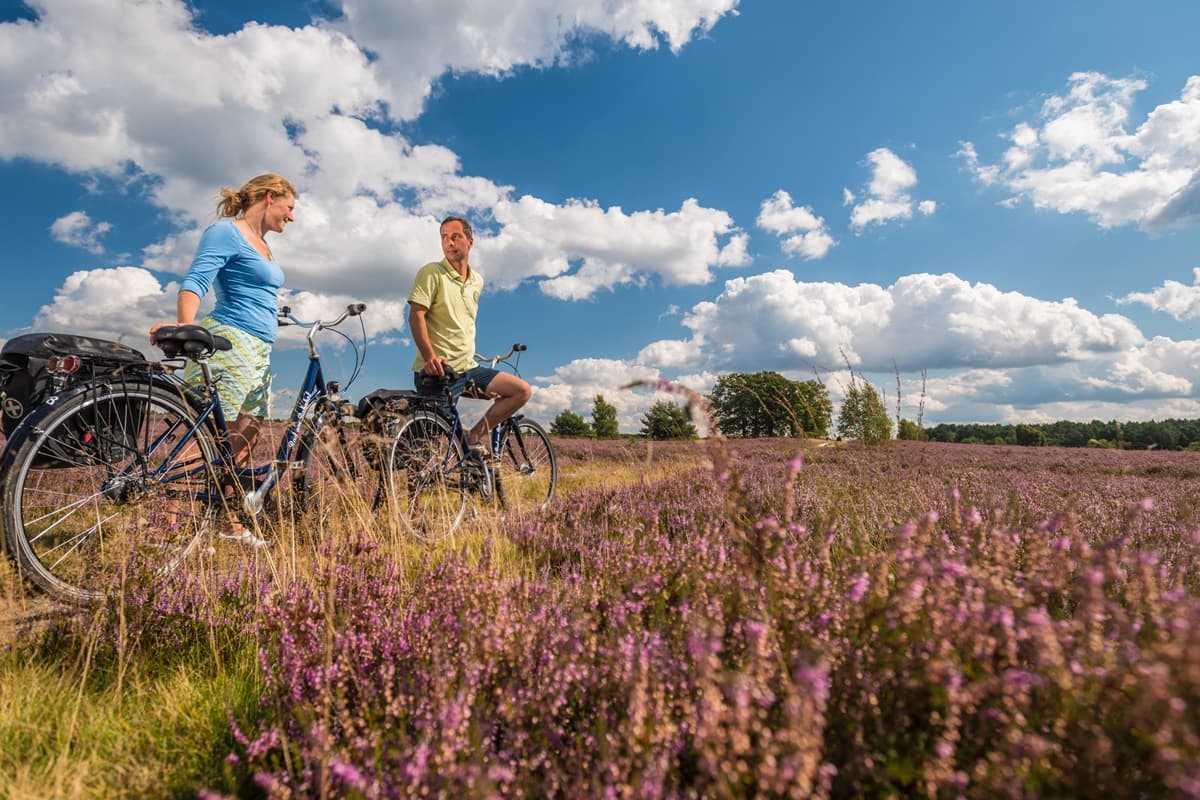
(453, 304)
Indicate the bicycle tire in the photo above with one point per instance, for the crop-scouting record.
(526, 469)
(88, 490)
(424, 477)
(333, 477)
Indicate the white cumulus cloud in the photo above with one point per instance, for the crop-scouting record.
(800, 230)
(418, 42)
(584, 248)
(135, 94)
(118, 303)
(78, 230)
(888, 194)
(1177, 299)
(921, 321)
(989, 355)
(1084, 154)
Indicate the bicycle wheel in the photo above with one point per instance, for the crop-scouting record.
(526, 471)
(425, 478)
(334, 481)
(100, 490)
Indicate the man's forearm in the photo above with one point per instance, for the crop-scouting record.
(420, 334)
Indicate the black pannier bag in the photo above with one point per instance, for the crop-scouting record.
(25, 382)
(382, 412)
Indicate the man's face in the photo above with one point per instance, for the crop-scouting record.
(455, 244)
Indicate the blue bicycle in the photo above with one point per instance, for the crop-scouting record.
(135, 465)
(430, 475)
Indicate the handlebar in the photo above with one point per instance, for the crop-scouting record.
(450, 375)
(285, 318)
(494, 360)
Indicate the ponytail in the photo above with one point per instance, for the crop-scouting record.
(234, 202)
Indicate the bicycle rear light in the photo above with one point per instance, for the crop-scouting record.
(63, 365)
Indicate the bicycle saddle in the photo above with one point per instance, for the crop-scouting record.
(189, 340)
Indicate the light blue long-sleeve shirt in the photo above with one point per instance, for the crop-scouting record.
(246, 284)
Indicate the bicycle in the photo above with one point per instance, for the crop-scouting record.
(430, 474)
(136, 464)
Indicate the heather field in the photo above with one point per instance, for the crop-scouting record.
(752, 619)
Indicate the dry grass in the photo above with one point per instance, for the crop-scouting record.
(82, 718)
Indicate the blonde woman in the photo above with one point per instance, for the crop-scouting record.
(234, 260)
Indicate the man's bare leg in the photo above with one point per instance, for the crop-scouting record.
(511, 395)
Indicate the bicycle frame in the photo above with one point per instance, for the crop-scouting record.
(457, 430)
(313, 390)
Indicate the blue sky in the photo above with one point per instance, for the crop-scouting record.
(1004, 198)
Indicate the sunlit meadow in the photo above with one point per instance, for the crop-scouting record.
(746, 619)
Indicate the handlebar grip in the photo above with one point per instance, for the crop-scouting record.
(519, 348)
(284, 311)
(354, 309)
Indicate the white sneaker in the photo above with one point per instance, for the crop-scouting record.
(244, 538)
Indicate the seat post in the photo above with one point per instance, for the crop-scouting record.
(205, 370)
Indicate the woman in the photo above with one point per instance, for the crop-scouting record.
(233, 259)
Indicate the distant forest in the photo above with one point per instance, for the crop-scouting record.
(1167, 434)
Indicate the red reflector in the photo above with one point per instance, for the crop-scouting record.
(63, 365)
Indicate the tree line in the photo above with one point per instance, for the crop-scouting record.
(1167, 434)
(760, 404)
(766, 404)
(664, 420)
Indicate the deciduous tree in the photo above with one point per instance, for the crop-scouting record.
(863, 415)
(907, 429)
(666, 420)
(768, 404)
(570, 425)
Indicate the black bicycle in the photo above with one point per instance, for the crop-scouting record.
(135, 465)
(431, 475)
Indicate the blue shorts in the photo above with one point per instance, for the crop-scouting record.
(472, 383)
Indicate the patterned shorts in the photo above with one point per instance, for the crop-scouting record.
(243, 374)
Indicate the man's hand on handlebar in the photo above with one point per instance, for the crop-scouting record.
(435, 366)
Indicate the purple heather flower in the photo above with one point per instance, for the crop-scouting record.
(1004, 616)
(348, 774)
(859, 589)
(816, 680)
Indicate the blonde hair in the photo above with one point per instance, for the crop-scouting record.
(234, 202)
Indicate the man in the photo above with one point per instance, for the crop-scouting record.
(443, 304)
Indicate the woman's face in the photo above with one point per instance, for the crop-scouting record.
(279, 211)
